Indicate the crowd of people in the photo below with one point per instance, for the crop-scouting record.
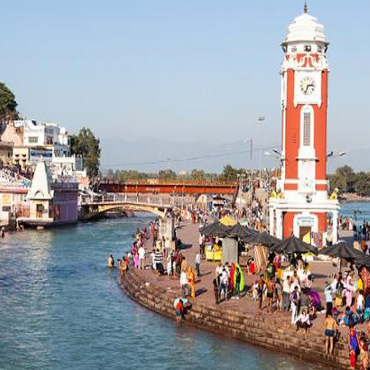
(283, 284)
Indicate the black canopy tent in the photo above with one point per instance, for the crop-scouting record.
(344, 251)
(263, 238)
(218, 229)
(231, 235)
(293, 245)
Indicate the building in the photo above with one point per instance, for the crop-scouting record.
(32, 141)
(301, 205)
(13, 192)
(49, 202)
(6, 153)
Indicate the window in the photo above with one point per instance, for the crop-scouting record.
(307, 48)
(33, 139)
(306, 129)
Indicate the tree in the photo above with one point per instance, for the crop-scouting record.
(198, 175)
(8, 104)
(86, 144)
(344, 179)
(231, 174)
(167, 175)
(362, 184)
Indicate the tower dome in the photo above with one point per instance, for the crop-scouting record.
(305, 28)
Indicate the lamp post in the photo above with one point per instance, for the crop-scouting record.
(240, 179)
(332, 154)
(260, 120)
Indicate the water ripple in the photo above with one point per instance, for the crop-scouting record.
(60, 308)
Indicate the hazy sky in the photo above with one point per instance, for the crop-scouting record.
(165, 81)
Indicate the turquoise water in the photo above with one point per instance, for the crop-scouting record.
(356, 210)
(61, 308)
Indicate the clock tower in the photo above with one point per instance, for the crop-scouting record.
(301, 205)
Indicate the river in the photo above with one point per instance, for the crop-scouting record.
(61, 308)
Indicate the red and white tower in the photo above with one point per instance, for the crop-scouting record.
(302, 203)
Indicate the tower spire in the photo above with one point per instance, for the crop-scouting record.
(305, 7)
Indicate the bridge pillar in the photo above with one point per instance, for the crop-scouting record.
(167, 228)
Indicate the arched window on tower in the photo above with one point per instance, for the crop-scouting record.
(307, 128)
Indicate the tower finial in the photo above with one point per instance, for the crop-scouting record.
(305, 8)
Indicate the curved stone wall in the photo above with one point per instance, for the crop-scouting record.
(267, 333)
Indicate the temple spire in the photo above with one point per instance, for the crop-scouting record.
(305, 7)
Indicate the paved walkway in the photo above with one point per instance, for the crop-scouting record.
(204, 286)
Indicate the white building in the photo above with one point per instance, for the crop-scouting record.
(49, 136)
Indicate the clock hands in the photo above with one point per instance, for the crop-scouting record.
(308, 86)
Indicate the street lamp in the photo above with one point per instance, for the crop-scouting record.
(335, 155)
(276, 154)
(260, 120)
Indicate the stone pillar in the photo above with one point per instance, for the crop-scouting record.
(272, 221)
(335, 226)
(279, 224)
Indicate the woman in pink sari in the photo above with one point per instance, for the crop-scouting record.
(136, 261)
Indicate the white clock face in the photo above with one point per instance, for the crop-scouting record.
(307, 85)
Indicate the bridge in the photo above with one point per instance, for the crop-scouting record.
(89, 210)
(155, 186)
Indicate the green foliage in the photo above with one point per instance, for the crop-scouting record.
(167, 175)
(86, 144)
(231, 174)
(8, 104)
(124, 175)
(362, 184)
(347, 181)
(197, 175)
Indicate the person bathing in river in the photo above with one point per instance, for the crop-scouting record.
(110, 261)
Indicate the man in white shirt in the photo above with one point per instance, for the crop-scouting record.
(184, 284)
(141, 252)
(286, 294)
(224, 280)
(197, 263)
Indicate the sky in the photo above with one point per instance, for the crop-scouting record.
(181, 84)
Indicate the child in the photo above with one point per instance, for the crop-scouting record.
(255, 290)
(353, 347)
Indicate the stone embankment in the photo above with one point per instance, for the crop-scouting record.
(268, 333)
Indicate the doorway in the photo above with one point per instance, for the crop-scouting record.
(305, 234)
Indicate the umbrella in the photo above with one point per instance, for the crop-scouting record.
(222, 231)
(345, 251)
(362, 260)
(341, 250)
(263, 238)
(239, 231)
(293, 245)
(213, 229)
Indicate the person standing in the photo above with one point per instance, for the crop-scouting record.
(286, 294)
(294, 297)
(328, 298)
(260, 291)
(141, 253)
(215, 290)
(224, 283)
(353, 347)
(238, 279)
(184, 284)
(197, 263)
(330, 327)
(190, 275)
(270, 293)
